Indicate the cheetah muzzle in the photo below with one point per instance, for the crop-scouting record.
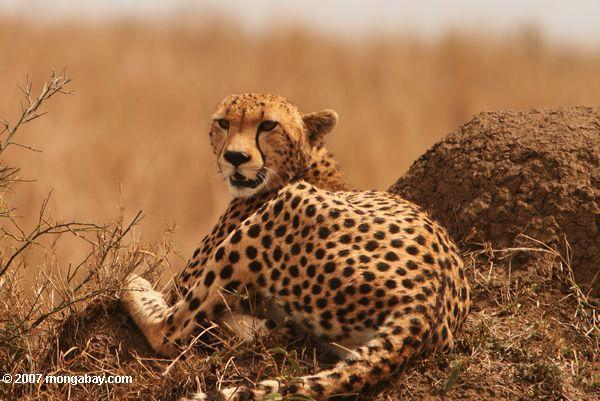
(239, 181)
(368, 273)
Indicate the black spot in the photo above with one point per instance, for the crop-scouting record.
(349, 223)
(427, 258)
(383, 267)
(280, 231)
(339, 298)
(234, 257)
(364, 288)
(295, 249)
(209, 279)
(266, 241)
(218, 309)
(444, 333)
(226, 272)
(297, 290)
(311, 210)
(316, 289)
(354, 378)
(321, 303)
(371, 246)
(391, 284)
(325, 324)
(406, 283)
(219, 254)
(363, 228)
(236, 237)
(412, 250)
(379, 235)
(335, 283)
(329, 267)
(254, 231)
(397, 243)
(278, 207)
(295, 202)
(394, 228)
(194, 304)
(348, 271)
(391, 256)
(317, 388)
(255, 266)
(323, 232)
(200, 317)
(232, 285)
(369, 276)
(251, 252)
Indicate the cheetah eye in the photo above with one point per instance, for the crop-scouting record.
(267, 125)
(223, 123)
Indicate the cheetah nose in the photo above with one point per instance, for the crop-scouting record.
(236, 158)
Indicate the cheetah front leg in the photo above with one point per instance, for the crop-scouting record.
(213, 299)
(148, 310)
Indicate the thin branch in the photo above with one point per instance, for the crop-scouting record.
(38, 232)
(114, 242)
(56, 84)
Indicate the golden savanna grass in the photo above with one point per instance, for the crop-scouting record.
(135, 133)
(134, 137)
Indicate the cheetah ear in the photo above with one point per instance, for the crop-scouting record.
(319, 124)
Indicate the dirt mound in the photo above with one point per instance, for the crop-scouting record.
(508, 173)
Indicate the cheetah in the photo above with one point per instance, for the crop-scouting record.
(367, 273)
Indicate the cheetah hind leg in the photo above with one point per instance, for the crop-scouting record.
(247, 327)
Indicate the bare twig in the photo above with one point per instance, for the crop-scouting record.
(56, 84)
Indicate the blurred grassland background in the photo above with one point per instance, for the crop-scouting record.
(135, 133)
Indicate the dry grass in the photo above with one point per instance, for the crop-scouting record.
(135, 134)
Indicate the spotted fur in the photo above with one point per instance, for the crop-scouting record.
(368, 273)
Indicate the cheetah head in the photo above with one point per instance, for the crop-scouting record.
(263, 141)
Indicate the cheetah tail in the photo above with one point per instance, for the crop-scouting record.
(396, 342)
